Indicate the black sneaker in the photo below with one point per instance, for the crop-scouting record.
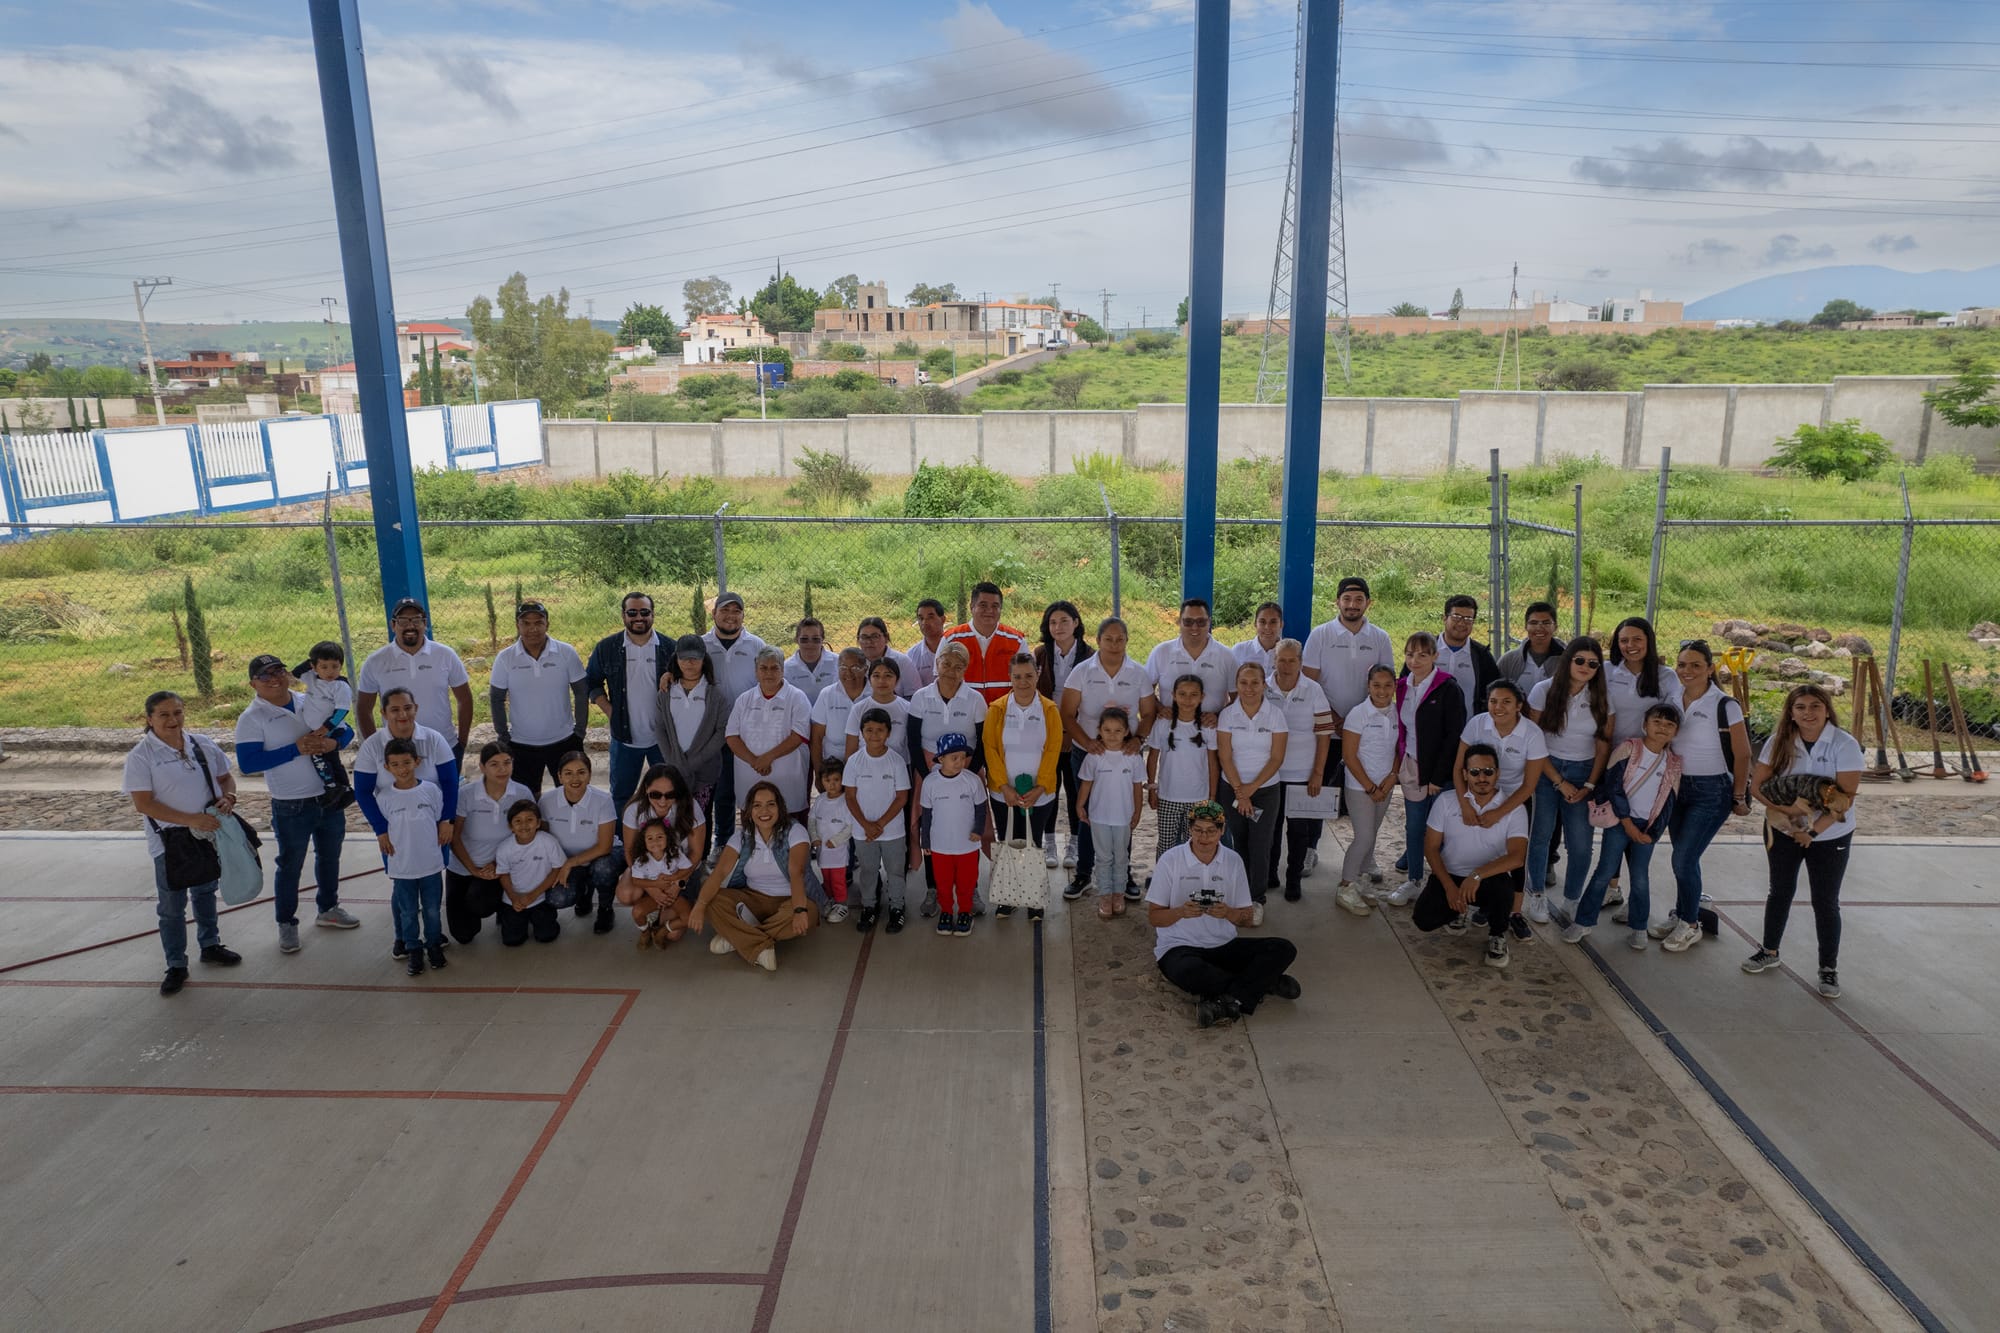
(221, 956)
(604, 923)
(1002, 912)
(945, 923)
(1518, 926)
(415, 964)
(1829, 983)
(1034, 914)
(1286, 987)
(962, 925)
(397, 950)
(436, 954)
(1496, 951)
(1221, 1009)
(1457, 924)
(865, 921)
(1075, 889)
(1293, 893)
(1761, 961)
(1478, 916)
(897, 920)
(175, 979)
(1133, 893)
(583, 898)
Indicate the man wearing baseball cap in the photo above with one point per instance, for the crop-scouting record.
(543, 681)
(734, 651)
(429, 670)
(272, 738)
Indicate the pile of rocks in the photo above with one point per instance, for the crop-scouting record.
(1788, 650)
(1986, 634)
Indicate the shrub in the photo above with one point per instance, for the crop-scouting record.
(833, 351)
(1465, 487)
(1842, 450)
(932, 400)
(198, 646)
(464, 496)
(849, 380)
(1005, 377)
(767, 355)
(631, 554)
(1579, 374)
(703, 388)
(956, 492)
(827, 482)
(1540, 481)
(1066, 386)
(1943, 472)
(906, 350)
(939, 360)
(1146, 340)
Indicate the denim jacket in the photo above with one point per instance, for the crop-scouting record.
(739, 876)
(1623, 770)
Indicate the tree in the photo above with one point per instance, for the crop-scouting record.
(1089, 330)
(40, 363)
(1457, 306)
(1579, 373)
(197, 632)
(1970, 399)
(536, 348)
(651, 324)
(1181, 312)
(784, 306)
(1839, 310)
(925, 294)
(1841, 450)
(114, 381)
(705, 296)
(844, 290)
(1408, 310)
(438, 395)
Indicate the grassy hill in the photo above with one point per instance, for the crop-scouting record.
(116, 342)
(1440, 365)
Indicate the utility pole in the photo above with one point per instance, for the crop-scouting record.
(985, 328)
(1511, 331)
(1142, 319)
(1106, 296)
(1055, 299)
(332, 333)
(761, 414)
(146, 337)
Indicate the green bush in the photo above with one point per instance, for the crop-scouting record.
(766, 355)
(833, 351)
(967, 490)
(1005, 377)
(827, 482)
(906, 350)
(1542, 480)
(1842, 450)
(932, 400)
(1465, 488)
(939, 360)
(1943, 472)
(849, 380)
(466, 496)
(706, 388)
(630, 555)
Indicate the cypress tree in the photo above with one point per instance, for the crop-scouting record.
(197, 633)
(698, 613)
(809, 600)
(437, 373)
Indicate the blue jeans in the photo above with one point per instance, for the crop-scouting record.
(1574, 816)
(1701, 808)
(296, 823)
(628, 765)
(1113, 844)
(598, 879)
(173, 904)
(1638, 859)
(406, 898)
(1416, 816)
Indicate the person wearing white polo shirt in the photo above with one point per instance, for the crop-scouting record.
(1473, 866)
(944, 707)
(1198, 897)
(769, 725)
(539, 697)
(1262, 648)
(272, 739)
(437, 764)
(733, 649)
(1309, 735)
(173, 777)
(829, 714)
(426, 668)
(923, 653)
(1107, 678)
(811, 667)
(1194, 653)
(1340, 655)
(872, 637)
(472, 875)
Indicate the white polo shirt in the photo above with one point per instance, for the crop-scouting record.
(1216, 666)
(923, 660)
(1628, 706)
(1184, 749)
(1458, 663)
(953, 803)
(433, 752)
(1836, 752)
(174, 777)
(899, 725)
(1699, 742)
(483, 821)
(1178, 876)
(813, 677)
(575, 826)
(1343, 660)
(1305, 709)
(875, 782)
(830, 712)
(1097, 689)
(907, 683)
(274, 727)
(540, 708)
(762, 724)
(1468, 846)
(1024, 734)
(736, 665)
(527, 865)
(429, 674)
(1372, 733)
(1112, 777)
(1250, 650)
(642, 687)
(963, 712)
(686, 707)
(413, 815)
(1523, 745)
(1251, 738)
(1577, 741)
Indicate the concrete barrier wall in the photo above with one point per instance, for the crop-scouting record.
(1712, 424)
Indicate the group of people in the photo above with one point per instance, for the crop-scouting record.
(754, 794)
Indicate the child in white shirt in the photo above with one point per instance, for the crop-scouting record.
(831, 827)
(877, 783)
(413, 851)
(1109, 787)
(530, 864)
(1181, 764)
(1368, 756)
(323, 705)
(955, 830)
(655, 885)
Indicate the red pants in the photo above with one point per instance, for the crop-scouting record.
(957, 880)
(835, 879)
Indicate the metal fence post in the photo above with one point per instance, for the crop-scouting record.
(1503, 610)
(1902, 587)
(1576, 569)
(333, 568)
(1111, 516)
(1493, 526)
(1659, 538)
(721, 560)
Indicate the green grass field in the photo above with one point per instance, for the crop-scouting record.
(87, 630)
(1440, 365)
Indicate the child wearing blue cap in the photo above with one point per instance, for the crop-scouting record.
(955, 830)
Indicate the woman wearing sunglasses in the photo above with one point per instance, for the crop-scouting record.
(1574, 713)
(664, 796)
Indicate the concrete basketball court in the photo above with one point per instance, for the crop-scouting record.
(897, 1134)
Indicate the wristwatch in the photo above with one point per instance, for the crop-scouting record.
(797, 911)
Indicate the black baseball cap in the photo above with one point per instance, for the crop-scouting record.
(531, 609)
(1355, 582)
(729, 599)
(690, 646)
(408, 604)
(264, 662)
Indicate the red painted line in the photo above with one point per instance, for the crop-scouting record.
(411, 988)
(781, 1252)
(1759, 902)
(335, 1094)
(1854, 1025)
(514, 1187)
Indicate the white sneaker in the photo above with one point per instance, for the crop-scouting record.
(1403, 893)
(1685, 936)
(1662, 929)
(835, 913)
(1496, 951)
(1050, 858)
(1312, 859)
(1373, 874)
(1256, 914)
(1069, 852)
(748, 917)
(1575, 934)
(1636, 941)
(1538, 908)
(1618, 917)
(1614, 894)
(1350, 898)
(768, 959)
(719, 945)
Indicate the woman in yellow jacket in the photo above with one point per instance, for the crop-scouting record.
(1023, 738)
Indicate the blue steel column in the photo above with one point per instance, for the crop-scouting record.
(1305, 369)
(364, 258)
(1204, 335)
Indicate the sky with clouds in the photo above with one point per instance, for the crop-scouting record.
(619, 147)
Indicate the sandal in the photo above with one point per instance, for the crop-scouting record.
(1109, 907)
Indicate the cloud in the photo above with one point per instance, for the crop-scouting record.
(1703, 251)
(1886, 244)
(1373, 138)
(1745, 162)
(9, 132)
(471, 74)
(1786, 248)
(185, 128)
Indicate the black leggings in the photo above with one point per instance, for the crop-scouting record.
(1826, 866)
(1244, 967)
(1254, 839)
(469, 900)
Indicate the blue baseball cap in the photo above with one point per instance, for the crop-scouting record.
(953, 742)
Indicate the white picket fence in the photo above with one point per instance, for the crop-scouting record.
(64, 463)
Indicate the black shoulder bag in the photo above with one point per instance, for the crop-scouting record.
(190, 859)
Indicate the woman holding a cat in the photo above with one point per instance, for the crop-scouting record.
(1807, 745)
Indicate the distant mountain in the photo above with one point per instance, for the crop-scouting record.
(1803, 294)
(116, 342)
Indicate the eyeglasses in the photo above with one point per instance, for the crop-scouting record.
(1194, 623)
(1549, 624)
(1460, 618)
(1588, 663)
(1481, 772)
(638, 615)
(659, 796)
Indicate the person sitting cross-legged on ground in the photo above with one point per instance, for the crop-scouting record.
(762, 890)
(1470, 865)
(1199, 895)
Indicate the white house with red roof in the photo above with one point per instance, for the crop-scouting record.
(709, 336)
(418, 338)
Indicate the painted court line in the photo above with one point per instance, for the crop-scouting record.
(303, 1094)
(413, 988)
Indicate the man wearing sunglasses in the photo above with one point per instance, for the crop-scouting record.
(624, 676)
(1473, 866)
